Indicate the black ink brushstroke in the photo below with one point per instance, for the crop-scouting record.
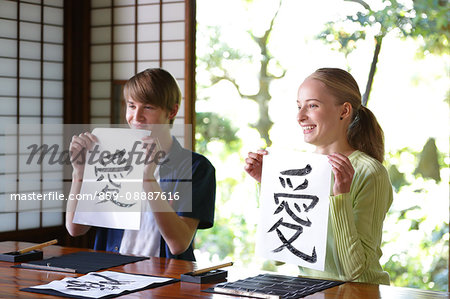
(289, 183)
(302, 186)
(118, 185)
(295, 217)
(313, 203)
(285, 224)
(117, 155)
(297, 172)
(291, 239)
(308, 258)
(282, 182)
(128, 168)
(121, 204)
(285, 205)
(112, 280)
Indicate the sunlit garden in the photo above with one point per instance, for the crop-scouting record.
(251, 58)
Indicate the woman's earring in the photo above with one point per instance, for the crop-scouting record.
(341, 118)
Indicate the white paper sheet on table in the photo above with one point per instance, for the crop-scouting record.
(294, 203)
(124, 211)
(100, 284)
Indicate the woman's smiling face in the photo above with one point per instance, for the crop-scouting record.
(318, 114)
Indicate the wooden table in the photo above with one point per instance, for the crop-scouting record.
(13, 279)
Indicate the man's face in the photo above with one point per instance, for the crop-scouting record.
(142, 115)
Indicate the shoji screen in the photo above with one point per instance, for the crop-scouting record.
(128, 36)
(31, 93)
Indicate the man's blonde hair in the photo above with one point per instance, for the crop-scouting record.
(154, 86)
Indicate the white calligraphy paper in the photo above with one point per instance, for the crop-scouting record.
(294, 202)
(101, 284)
(112, 181)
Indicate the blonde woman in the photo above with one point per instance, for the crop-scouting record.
(334, 121)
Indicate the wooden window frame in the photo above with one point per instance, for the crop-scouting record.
(76, 93)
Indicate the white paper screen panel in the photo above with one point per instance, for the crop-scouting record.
(31, 92)
(129, 36)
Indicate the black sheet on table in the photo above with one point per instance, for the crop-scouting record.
(87, 261)
(278, 285)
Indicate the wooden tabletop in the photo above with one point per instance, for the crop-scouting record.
(13, 279)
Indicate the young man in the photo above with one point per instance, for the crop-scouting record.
(153, 99)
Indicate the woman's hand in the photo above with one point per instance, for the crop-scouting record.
(253, 164)
(343, 173)
(78, 148)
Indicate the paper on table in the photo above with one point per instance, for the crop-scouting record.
(101, 284)
(110, 184)
(294, 202)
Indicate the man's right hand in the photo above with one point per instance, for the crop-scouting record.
(78, 148)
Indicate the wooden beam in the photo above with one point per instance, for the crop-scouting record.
(189, 71)
(76, 61)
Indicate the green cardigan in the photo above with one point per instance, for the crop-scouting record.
(355, 225)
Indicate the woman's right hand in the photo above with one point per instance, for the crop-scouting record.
(253, 164)
(78, 148)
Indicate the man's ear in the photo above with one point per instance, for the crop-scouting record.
(173, 112)
(346, 110)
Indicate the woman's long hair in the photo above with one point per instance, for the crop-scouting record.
(364, 132)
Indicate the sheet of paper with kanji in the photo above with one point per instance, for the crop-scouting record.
(112, 185)
(101, 284)
(294, 203)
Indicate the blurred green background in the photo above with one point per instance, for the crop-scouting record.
(251, 58)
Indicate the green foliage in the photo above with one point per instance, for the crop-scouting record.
(428, 166)
(217, 58)
(223, 62)
(415, 240)
(427, 19)
(431, 22)
(426, 267)
(393, 162)
(212, 127)
(409, 272)
(339, 39)
(229, 237)
(397, 178)
(418, 249)
(392, 16)
(219, 239)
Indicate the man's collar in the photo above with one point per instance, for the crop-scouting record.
(175, 154)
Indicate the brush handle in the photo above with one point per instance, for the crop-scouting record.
(38, 246)
(201, 271)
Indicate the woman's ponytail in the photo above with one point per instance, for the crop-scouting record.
(365, 133)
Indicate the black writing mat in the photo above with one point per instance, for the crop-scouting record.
(275, 286)
(86, 261)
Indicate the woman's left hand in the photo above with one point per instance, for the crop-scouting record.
(343, 173)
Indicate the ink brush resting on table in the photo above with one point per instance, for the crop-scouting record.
(207, 275)
(27, 254)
